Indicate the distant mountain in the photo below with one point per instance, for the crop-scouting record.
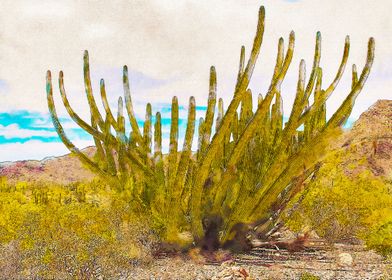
(62, 170)
(369, 141)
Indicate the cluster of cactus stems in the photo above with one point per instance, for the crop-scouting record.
(244, 171)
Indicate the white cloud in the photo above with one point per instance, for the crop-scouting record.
(35, 150)
(14, 131)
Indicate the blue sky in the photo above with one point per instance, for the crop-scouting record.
(168, 47)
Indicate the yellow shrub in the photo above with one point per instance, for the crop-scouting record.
(337, 206)
(60, 231)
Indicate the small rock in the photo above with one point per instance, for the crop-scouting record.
(345, 259)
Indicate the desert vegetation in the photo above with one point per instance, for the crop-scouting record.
(242, 173)
(251, 171)
(77, 231)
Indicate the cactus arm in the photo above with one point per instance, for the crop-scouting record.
(202, 173)
(246, 110)
(60, 131)
(89, 92)
(209, 118)
(186, 152)
(100, 151)
(173, 145)
(200, 137)
(241, 66)
(315, 116)
(341, 115)
(279, 61)
(299, 102)
(158, 138)
(259, 100)
(221, 111)
(342, 66)
(122, 140)
(89, 129)
(106, 106)
(235, 127)
(147, 133)
(108, 148)
(129, 107)
(316, 63)
(354, 76)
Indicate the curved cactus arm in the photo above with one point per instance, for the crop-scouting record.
(202, 172)
(316, 63)
(89, 91)
(342, 66)
(106, 106)
(60, 131)
(341, 115)
(75, 117)
(279, 62)
(209, 118)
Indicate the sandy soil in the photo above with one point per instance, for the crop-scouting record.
(337, 262)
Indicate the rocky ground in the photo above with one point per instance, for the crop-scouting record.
(340, 261)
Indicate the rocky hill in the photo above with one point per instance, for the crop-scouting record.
(369, 141)
(61, 170)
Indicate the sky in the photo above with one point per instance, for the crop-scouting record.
(169, 47)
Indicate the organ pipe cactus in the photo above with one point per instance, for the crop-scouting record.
(242, 172)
